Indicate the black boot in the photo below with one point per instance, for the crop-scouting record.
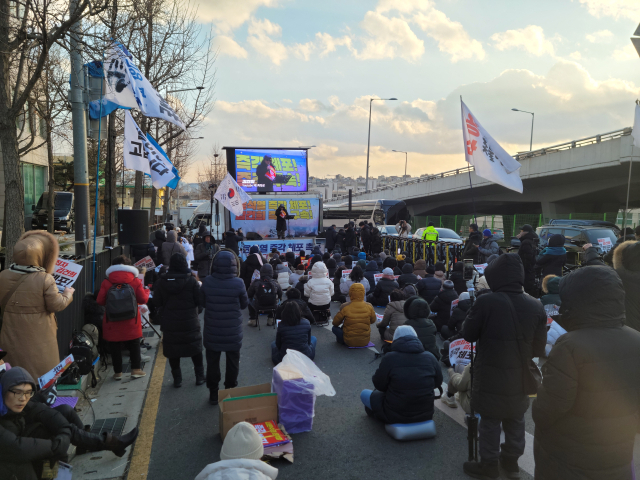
(177, 377)
(85, 441)
(481, 470)
(213, 396)
(200, 377)
(509, 466)
(119, 443)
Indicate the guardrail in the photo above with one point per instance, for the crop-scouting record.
(519, 156)
(445, 252)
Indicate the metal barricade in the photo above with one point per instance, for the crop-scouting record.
(430, 252)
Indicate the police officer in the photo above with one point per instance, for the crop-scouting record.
(430, 233)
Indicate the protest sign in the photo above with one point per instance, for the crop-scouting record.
(49, 378)
(605, 244)
(480, 268)
(552, 310)
(256, 275)
(66, 273)
(377, 277)
(145, 262)
(345, 273)
(460, 352)
(454, 304)
(379, 317)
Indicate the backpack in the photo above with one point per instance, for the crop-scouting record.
(121, 303)
(85, 351)
(266, 294)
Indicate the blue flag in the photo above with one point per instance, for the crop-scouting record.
(173, 183)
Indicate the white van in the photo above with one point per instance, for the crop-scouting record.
(202, 216)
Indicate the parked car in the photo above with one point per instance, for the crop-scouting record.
(445, 235)
(388, 230)
(600, 223)
(578, 235)
(63, 213)
(498, 234)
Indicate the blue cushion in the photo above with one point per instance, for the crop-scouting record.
(412, 431)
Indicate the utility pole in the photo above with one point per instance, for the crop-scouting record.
(80, 162)
(110, 180)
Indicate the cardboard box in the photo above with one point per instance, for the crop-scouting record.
(252, 404)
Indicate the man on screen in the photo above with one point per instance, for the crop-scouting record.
(266, 175)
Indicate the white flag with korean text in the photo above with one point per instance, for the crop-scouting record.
(141, 155)
(128, 87)
(488, 158)
(231, 195)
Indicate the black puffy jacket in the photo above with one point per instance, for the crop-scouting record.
(202, 257)
(416, 311)
(178, 295)
(407, 277)
(441, 305)
(458, 315)
(406, 379)
(627, 264)
(551, 264)
(429, 287)
(527, 253)
(330, 238)
(498, 390)
(158, 241)
(297, 337)
(376, 242)
(587, 409)
(231, 241)
(457, 277)
(141, 250)
(224, 297)
(471, 247)
(369, 272)
(251, 264)
(380, 296)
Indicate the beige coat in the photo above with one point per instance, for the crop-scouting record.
(29, 324)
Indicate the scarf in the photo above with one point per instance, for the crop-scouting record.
(554, 251)
(25, 269)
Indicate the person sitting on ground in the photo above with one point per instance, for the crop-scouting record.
(254, 262)
(338, 258)
(362, 255)
(452, 330)
(294, 278)
(34, 436)
(482, 283)
(240, 457)
(282, 273)
(263, 293)
(290, 258)
(404, 382)
(416, 311)
(551, 260)
(594, 365)
(378, 259)
(204, 253)
(294, 333)
(355, 316)
(126, 331)
(300, 260)
(319, 289)
(302, 281)
(362, 264)
(457, 277)
(170, 247)
(294, 296)
(370, 270)
(390, 262)
(356, 276)
(420, 268)
(400, 258)
(315, 259)
(429, 286)
(331, 267)
(408, 277)
(459, 388)
(337, 278)
(551, 290)
(177, 295)
(439, 272)
(442, 304)
(393, 316)
(348, 262)
(380, 295)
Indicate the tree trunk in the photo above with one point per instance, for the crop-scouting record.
(167, 201)
(137, 192)
(51, 193)
(111, 193)
(152, 207)
(13, 188)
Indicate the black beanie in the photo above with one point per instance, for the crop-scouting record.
(178, 264)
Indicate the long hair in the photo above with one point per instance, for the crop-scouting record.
(291, 314)
(356, 274)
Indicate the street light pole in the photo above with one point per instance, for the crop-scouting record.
(405, 160)
(366, 185)
(532, 118)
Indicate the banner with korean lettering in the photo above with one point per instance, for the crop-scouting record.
(260, 216)
(488, 158)
(266, 246)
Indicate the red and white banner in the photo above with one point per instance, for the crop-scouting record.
(489, 159)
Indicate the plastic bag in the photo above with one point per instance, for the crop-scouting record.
(297, 381)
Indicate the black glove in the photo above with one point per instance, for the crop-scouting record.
(60, 445)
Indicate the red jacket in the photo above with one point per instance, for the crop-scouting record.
(126, 329)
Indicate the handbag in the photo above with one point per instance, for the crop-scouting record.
(531, 375)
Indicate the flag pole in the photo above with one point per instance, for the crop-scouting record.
(473, 202)
(95, 214)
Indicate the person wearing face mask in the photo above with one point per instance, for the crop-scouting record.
(34, 437)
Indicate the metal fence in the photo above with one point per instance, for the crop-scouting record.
(431, 253)
(72, 317)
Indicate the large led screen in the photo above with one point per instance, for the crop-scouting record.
(271, 170)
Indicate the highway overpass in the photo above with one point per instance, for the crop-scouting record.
(586, 175)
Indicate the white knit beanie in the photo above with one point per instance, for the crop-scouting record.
(242, 441)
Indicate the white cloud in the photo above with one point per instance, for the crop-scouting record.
(228, 46)
(327, 44)
(451, 36)
(626, 53)
(575, 55)
(530, 39)
(260, 33)
(227, 15)
(312, 105)
(303, 50)
(613, 8)
(388, 38)
(600, 36)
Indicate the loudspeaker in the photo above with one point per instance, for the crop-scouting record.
(253, 236)
(133, 227)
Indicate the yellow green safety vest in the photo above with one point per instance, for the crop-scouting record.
(430, 234)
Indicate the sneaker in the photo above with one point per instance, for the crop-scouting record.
(138, 374)
(509, 467)
(449, 401)
(145, 358)
(270, 322)
(117, 376)
(253, 323)
(482, 470)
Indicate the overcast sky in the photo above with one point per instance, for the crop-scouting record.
(300, 72)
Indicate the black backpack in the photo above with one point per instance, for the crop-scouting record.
(84, 351)
(266, 294)
(121, 303)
